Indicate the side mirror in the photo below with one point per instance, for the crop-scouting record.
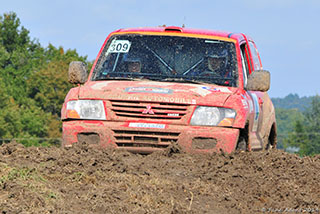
(77, 73)
(258, 80)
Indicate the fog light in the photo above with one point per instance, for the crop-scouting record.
(203, 143)
(89, 138)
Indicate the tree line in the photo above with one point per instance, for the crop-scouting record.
(33, 85)
(298, 123)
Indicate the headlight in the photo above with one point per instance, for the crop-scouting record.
(86, 109)
(212, 116)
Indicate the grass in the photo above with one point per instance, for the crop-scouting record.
(29, 181)
(24, 173)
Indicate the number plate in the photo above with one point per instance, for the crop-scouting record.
(119, 46)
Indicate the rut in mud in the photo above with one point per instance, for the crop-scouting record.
(86, 180)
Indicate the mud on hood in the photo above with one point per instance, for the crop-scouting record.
(150, 91)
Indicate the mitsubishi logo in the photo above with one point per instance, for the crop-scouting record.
(148, 110)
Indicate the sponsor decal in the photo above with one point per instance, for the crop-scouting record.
(245, 102)
(99, 85)
(249, 100)
(147, 125)
(250, 105)
(201, 91)
(148, 90)
(180, 100)
(183, 90)
(217, 89)
(173, 115)
(256, 112)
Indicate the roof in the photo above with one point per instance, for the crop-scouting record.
(226, 34)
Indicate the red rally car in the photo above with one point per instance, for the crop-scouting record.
(152, 87)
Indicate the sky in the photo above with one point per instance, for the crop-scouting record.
(285, 31)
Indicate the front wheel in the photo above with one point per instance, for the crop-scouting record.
(242, 144)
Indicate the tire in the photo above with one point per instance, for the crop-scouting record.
(242, 144)
(269, 146)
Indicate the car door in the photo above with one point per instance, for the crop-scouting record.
(267, 113)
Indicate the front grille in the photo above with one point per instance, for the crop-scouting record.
(151, 139)
(148, 110)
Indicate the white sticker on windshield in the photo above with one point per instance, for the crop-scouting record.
(119, 46)
(212, 41)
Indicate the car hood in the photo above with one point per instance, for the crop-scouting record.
(151, 91)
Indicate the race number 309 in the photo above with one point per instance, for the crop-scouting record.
(119, 46)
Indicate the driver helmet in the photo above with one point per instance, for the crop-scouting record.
(134, 64)
(218, 61)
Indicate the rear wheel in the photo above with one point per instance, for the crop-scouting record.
(269, 145)
(272, 140)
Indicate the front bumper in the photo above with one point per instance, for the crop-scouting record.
(149, 137)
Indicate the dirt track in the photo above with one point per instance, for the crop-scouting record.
(82, 180)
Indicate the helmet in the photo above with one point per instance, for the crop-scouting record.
(218, 61)
(134, 64)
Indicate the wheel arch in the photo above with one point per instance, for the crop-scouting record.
(272, 138)
(243, 138)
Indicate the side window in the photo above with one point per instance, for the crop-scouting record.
(245, 66)
(255, 55)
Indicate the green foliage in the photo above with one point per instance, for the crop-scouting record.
(285, 123)
(298, 122)
(18, 54)
(292, 101)
(12, 36)
(49, 85)
(33, 84)
(306, 133)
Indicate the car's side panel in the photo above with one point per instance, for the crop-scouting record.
(269, 118)
(264, 115)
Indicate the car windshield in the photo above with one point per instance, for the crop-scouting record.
(167, 58)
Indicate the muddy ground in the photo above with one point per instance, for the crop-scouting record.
(86, 180)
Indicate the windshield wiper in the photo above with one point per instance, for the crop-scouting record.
(117, 78)
(180, 80)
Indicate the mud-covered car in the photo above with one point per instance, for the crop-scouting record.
(153, 87)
